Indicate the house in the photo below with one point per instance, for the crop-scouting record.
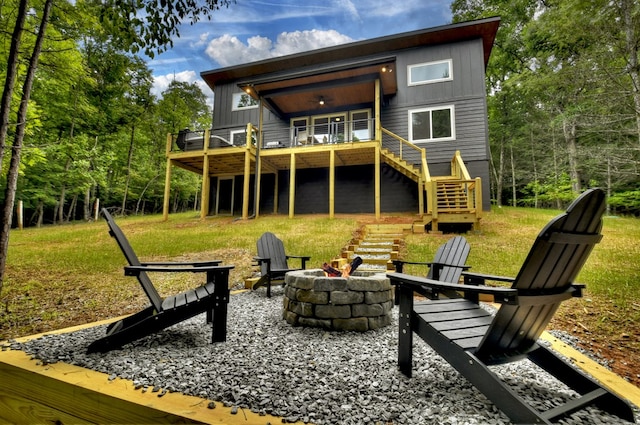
(391, 124)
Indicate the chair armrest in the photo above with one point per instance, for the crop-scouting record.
(419, 284)
(186, 263)
(261, 260)
(136, 270)
(471, 278)
(303, 259)
(399, 264)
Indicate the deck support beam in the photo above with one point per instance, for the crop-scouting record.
(378, 146)
(256, 195)
(167, 191)
(292, 185)
(167, 178)
(206, 185)
(332, 183)
(246, 185)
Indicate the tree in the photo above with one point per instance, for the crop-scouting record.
(16, 148)
(149, 25)
(146, 25)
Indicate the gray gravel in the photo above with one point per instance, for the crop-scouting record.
(304, 374)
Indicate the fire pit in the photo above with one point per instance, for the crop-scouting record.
(360, 302)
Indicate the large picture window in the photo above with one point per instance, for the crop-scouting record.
(431, 72)
(432, 124)
(243, 101)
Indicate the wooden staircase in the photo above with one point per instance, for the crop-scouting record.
(453, 199)
(451, 196)
(377, 247)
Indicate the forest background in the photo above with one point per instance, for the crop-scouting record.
(80, 123)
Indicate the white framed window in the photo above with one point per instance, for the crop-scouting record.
(299, 130)
(243, 101)
(430, 72)
(432, 124)
(329, 128)
(361, 125)
(239, 137)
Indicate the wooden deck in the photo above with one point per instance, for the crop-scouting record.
(61, 393)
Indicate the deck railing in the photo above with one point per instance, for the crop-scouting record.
(317, 134)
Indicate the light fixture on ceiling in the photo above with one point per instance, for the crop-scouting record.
(386, 69)
(321, 102)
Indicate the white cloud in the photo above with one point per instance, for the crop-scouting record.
(229, 50)
(161, 83)
(202, 40)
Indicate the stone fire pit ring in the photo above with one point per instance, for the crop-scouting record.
(360, 302)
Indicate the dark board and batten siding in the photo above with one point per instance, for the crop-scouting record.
(354, 192)
(354, 185)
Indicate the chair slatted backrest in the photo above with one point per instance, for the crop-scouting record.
(269, 246)
(453, 255)
(132, 259)
(554, 261)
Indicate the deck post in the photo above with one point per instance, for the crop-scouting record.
(206, 184)
(245, 186)
(376, 103)
(167, 191)
(292, 185)
(421, 190)
(332, 183)
(377, 182)
(167, 179)
(378, 146)
(256, 195)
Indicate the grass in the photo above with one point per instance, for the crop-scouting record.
(59, 276)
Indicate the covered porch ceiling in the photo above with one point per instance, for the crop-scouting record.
(324, 90)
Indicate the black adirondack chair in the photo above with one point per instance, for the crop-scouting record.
(212, 298)
(471, 339)
(273, 261)
(447, 265)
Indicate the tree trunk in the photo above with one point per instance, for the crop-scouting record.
(40, 214)
(63, 194)
(86, 213)
(569, 129)
(10, 82)
(72, 208)
(535, 171)
(513, 178)
(129, 161)
(632, 59)
(141, 197)
(498, 173)
(16, 150)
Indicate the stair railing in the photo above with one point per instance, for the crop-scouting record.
(410, 153)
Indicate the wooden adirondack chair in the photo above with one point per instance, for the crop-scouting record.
(211, 298)
(272, 260)
(447, 265)
(471, 339)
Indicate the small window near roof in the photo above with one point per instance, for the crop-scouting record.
(431, 72)
(243, 101)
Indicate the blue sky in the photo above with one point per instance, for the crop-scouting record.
(251, 30)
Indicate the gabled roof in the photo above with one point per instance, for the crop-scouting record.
(330, 70)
